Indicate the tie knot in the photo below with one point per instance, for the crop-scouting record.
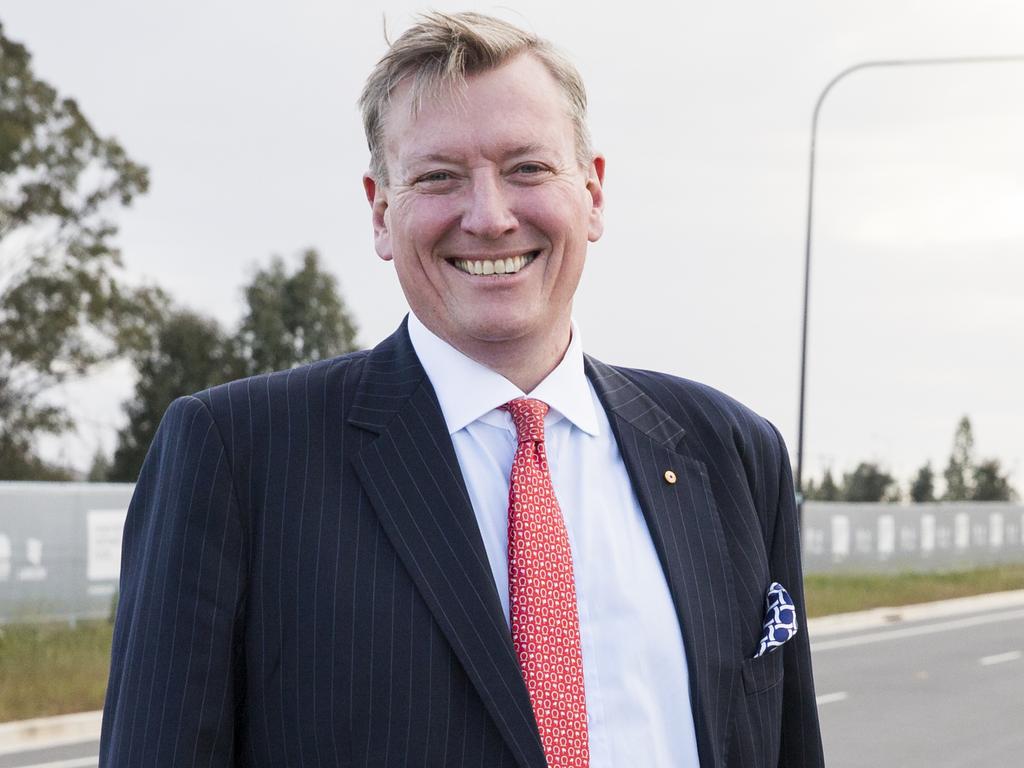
(528, 416)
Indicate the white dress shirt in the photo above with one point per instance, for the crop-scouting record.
(634, 664)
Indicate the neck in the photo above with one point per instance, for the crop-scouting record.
(525, 367)
(525, 361)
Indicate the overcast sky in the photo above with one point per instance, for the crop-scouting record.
(245, 114)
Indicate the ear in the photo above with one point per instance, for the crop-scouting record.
(377, 197)
(595, 186)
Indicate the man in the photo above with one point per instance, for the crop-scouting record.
(471, 545)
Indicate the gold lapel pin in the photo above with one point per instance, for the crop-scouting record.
(670, 477)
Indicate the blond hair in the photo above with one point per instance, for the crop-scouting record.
(440, 50)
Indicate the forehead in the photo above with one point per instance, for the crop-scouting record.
(517, 105)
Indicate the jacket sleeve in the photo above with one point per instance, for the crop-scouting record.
(801, 736)
(172, 692)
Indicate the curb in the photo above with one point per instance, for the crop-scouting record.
(839, 623)
(21, 735)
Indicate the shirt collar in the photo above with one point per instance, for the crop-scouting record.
(467, 390)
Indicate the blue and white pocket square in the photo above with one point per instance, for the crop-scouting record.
(779, 619)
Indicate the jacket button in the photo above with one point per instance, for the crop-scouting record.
(670, 477)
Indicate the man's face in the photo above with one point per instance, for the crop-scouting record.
(488, 212)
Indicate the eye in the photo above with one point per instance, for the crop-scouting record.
(530, 169)
(434, 177)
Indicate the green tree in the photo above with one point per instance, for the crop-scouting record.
(959, 471)
(869, 483)
(190, 353)
(99, 472)
(63, 305)
(293, 318)
(990, 484)
(827, 491)
(290, 319)
(922, 489)
(18, 424)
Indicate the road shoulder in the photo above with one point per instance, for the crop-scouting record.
(840, 623)
(20, 735)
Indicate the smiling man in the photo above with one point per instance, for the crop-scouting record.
(473, 544)
(482, 200)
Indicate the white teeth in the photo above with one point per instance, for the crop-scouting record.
(507, 266)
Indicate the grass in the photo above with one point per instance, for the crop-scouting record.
(53, 669)
(826, 595)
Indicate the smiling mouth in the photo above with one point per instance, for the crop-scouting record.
(507, 266)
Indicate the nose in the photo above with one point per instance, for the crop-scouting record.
(487, 214)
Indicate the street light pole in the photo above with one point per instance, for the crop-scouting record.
(877, 64)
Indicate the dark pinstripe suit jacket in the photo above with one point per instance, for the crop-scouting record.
(304, 584)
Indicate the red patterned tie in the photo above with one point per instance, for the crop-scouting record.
(542, 596)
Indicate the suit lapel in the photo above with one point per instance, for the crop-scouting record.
(688, 536)
(412, 476)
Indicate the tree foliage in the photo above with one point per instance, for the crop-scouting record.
(294, 318)
(866, 483)
(869, 483)
(54, 164)
(63, 304)
(922, 488)
(990, 483)
(961, 460)
(968, 480)
(827, 491)
(290, 319)
(190, 352)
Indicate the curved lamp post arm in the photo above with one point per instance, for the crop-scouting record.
(875, 64)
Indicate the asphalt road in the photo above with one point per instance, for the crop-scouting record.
(939, 693)
(946, 692)
(83, 754)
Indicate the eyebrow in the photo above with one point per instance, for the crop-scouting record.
(526, 149)
(432, 157)
(441, 157)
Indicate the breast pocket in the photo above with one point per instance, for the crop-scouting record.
(763, 672)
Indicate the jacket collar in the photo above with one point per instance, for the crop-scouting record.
(413, 479)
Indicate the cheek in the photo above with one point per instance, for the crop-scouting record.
(563, 215)
(422, 226)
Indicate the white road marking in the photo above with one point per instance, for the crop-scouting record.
(829, 698)
(76, 762)
(927, 629)
(999, 658)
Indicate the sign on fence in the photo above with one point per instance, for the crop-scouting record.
(60, 549)
(914, 537)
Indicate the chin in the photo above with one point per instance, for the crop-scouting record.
(497, 330)
(488, 327)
